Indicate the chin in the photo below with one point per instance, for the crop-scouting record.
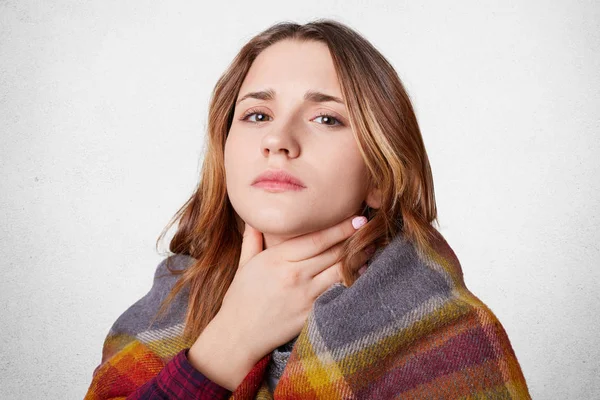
(279, 226)
(279, 223)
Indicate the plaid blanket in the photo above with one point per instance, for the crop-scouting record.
(408, 328)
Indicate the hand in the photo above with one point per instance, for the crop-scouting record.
(268, 300)
(273, 290)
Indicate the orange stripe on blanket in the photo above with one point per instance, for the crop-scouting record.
(122, 374)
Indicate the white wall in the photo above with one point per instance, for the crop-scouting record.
(102, 114)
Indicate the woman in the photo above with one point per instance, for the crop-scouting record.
(306, 265)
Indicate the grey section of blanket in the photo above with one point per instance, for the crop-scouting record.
(138, 316)
(397, 288)
(279, 359)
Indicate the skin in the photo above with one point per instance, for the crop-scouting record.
(287, 132)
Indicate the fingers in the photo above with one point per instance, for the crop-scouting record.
(323, 281)
(252, 244)
(314, 243)
(320, 262)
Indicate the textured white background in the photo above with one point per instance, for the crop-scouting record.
(102, 115)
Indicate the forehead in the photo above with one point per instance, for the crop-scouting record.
(291, 65)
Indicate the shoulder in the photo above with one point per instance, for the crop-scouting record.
(164, 278)
(136, 326)
(139, 316)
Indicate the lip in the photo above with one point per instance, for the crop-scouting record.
(278, 180)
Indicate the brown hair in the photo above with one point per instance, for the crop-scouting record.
(387, 133)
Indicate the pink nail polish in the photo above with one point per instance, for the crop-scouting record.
(357, 222)
(362, 269)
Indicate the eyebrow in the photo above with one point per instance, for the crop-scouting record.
(310, 95)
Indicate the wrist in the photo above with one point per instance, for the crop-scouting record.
(220, 355)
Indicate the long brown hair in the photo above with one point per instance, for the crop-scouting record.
(387, 133)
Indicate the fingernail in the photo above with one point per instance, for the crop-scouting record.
(357, 222)
(362, 269)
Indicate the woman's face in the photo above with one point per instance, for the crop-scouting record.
(285, 131)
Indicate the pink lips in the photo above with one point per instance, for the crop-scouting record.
(278, 180)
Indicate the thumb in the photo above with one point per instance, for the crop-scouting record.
(252, 244)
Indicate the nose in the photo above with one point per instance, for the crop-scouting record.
(280, 140)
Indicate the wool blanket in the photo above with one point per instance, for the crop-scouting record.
(408, 328)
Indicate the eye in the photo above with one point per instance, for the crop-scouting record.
(257, 113)
(330, 120)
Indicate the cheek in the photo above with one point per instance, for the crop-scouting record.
(344, 171)
(238, 161)
(234, 156)
(231, 162)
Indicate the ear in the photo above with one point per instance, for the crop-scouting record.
(373, 199)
